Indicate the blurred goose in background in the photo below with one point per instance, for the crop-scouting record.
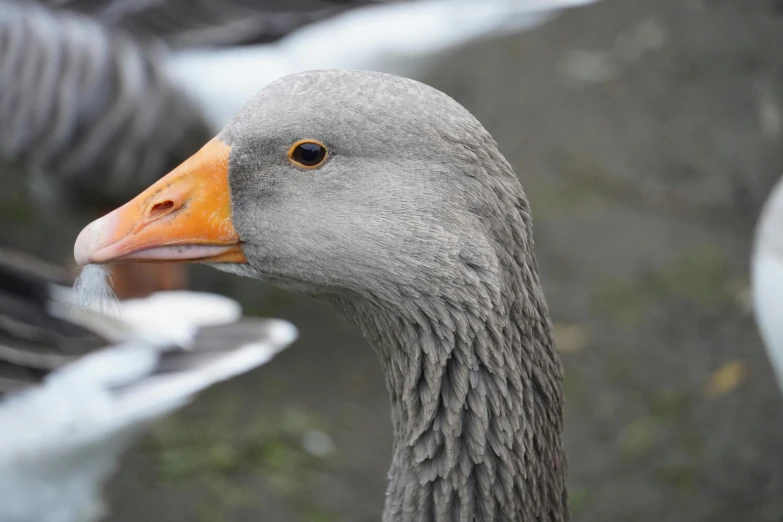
(386, 199)
(767, 278)
(397, 37)
(80, 386)
(99, 98)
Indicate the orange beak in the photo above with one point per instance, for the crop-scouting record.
(184, 217)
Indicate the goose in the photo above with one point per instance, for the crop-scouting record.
(79, 386)
(386, 199)
(767, 278)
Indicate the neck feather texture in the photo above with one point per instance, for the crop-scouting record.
(476, 393)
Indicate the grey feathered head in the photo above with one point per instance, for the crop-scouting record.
(338, 180)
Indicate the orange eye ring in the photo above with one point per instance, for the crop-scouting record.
(308, 154)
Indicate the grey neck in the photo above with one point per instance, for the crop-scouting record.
(476, 405)
(462, 329)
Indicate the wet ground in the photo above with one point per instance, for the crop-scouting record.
(646, 133)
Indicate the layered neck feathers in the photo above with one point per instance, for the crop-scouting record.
(476, 392)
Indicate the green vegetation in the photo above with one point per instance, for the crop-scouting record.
(228, 456)
(701, 276)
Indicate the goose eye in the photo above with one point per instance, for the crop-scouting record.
(308, 154)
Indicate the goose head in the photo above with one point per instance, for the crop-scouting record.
(326, 181)
(387, 199)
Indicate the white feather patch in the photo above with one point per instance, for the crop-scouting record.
(93, 291)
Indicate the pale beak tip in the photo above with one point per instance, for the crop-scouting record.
(84, 244)
(89, 240)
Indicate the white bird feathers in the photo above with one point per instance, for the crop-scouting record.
(61, 439)
(767, 278)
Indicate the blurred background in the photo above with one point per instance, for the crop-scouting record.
(647, 135)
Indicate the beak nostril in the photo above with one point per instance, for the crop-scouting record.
(159, 209)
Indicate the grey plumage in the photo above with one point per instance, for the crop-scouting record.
(33, 341)
(87, 109)
(41, 332)
(183, 23)
(418, 230)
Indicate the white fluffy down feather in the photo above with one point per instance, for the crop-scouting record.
(92, 290)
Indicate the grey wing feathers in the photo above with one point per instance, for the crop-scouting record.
(33, 341)
(217, 353)
(212, 342)
(39, 333)
(87, 108)
(184, 23)
(14, 377)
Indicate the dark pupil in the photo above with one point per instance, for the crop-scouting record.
(309, 154)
